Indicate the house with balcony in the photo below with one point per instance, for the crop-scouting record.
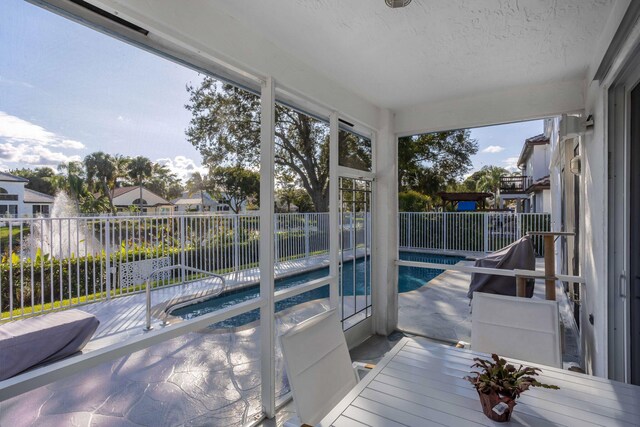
(530, 189)
(18, 201)
(372, 71)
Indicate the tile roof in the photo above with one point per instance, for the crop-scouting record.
(7, 177)
(32, 196)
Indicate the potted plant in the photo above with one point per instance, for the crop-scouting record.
(499, 384)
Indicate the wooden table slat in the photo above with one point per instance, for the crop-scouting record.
(432, 409)
(391, 413)
(550, 371)
(420, 383)
(348, 422)
(466, 397)
(460, 370)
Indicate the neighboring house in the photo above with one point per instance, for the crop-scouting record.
(126, 197)
(531, 189)
(18, 201)
(196, 202)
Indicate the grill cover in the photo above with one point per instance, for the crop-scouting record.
(518, 255)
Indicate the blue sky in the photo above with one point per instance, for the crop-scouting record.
(67, 90)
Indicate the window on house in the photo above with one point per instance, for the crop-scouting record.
(4, 195)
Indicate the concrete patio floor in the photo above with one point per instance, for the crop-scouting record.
(441, 311)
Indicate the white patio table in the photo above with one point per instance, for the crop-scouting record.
(420, 383)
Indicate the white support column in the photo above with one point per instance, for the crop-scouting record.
(385, 221)
(335, 232)
(267, 325)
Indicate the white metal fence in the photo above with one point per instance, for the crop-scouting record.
(469, 231)
(50, 263)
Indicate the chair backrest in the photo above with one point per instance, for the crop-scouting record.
(318, 365)
(519, 328)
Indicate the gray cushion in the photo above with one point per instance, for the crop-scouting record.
(30, 342)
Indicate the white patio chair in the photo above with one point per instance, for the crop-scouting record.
(318, 366)
(519, 328)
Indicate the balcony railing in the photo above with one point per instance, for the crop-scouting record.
(514, 184)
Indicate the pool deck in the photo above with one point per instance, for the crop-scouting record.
(441, 311)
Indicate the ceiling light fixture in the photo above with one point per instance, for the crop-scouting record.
(393, 4)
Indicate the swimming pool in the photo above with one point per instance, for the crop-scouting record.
(409, 278)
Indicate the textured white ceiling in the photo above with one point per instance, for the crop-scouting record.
(432, 49)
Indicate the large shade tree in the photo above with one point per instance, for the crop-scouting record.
(430, 162)
(236, 185)
(225, 128)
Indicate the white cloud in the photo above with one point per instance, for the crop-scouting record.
(24, 142)
(33, 155)
(9, 82)
(494, 149)
(70, 143)
(511, 164)
(182, 166)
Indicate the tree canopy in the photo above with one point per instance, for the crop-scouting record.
(235, 185)
(430, 162)
(225, 128)
(40, 179)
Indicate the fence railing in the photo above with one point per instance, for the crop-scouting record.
(50, 263)
(469, 231)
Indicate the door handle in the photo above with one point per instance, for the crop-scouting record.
(622, 289)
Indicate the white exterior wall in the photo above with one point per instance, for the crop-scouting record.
(593, 263)
(545, 201)
(16, 188)
(540, 161)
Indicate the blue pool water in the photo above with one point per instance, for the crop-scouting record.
(409, 278)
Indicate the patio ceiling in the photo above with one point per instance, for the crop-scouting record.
(431, 50)
(433, 65)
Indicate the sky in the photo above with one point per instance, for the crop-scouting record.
(67, 90)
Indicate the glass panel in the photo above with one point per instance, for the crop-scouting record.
(354, 151)
(355, 270)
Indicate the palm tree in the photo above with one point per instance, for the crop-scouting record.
(121, 164)
(140, 168)
(100, 167)
(197, 182)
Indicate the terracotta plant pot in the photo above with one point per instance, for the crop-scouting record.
(490, 400)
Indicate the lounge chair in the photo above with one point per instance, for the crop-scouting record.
(31, 342)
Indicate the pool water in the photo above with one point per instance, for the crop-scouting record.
(409, 278)
(412, 278)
